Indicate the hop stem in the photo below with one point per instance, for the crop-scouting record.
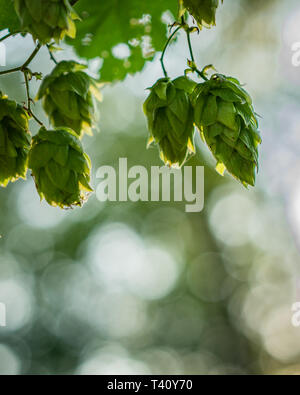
(8, 35)
(52, 57)
(28, 109)
(188, 35)
(25, 65)
(165, 48)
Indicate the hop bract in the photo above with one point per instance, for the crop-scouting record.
(68, 97)
(170, 119)
(47, 19)
(60, 167)
(225, 117)
(14, 141)
(204, 11)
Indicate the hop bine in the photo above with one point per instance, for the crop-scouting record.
(170, 119)
(225, 117)
(47, 19)
(14, 141)
(204, 11)
(68, 97)
(60, 167)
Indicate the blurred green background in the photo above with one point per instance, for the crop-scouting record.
(144, 288)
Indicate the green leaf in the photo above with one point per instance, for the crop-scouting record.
(227, 95)
(226, 115)
(8, 17)
(185, 84)
(41, 154)
(203, 11)
(130, 22)
(210, 111)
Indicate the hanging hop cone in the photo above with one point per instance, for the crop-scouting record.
(204, 11)
(225, 117)
(170, 119)
(14, 141)
(60, 167)
(46, 19)
(69, 97)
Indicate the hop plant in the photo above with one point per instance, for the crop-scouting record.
(68, 97)
(170, 119)
(47, 19)
(204, 11)
(14, 141)
(60, 167)
(225, 117)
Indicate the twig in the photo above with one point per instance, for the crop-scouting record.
(24, 69)
(52, 57)
(32, 56)
(9, 35)
(28, 109)
(165, 48)
(24, 66)
(194, 68)
(10, 71)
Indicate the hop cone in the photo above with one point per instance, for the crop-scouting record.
(227, 122)
(60, 167)
(47, 19)
(68, 97)
(170, 119)
(204, 11)
(14, 141)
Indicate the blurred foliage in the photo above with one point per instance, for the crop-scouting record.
(8, 17)
(134, 23)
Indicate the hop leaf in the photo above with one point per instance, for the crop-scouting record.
(68, 97)
(14, 141)
(225, 117)
(47, 19)
(60, 167)
(204, 11)
(170, 119)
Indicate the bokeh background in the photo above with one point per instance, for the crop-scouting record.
(144, 288)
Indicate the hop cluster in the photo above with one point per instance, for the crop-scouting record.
(47, 19)
(204, 11)
(170, 119)
(225, 117)
(14, 141)
(60, 167)
(68, 97)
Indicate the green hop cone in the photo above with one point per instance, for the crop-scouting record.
(47, 19)
(170, 119)
(204, 11)
(14, 141)
(225, 117)
(68, 97)
(60, 167)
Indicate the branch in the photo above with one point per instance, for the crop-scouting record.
(9, 35)
(52, 57)
(194, 66)
(32, 56)
(28, 109)
(165, 48)
(24, 66)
